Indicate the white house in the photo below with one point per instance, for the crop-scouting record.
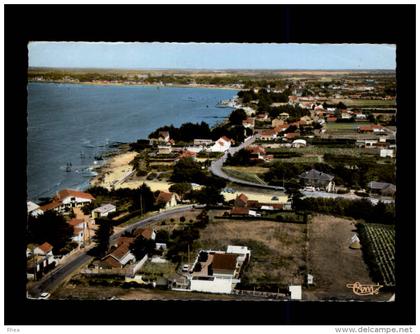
(205, 142)
(104, 210)
(34, 209)
(383, 153)
(221, 145)
(299, 143)
(68, 198)
(243, 252)
(45, 249)
(79, 226)
(167, 199)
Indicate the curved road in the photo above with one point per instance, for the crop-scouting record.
(53, 279)
(216, 168)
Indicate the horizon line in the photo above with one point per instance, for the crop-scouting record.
(214, 69)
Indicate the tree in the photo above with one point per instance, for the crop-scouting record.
(187, 170)
(237, 116)
(50, 227)
(162, 236)
(104, 231)
(142, 246)
(181, 188)
(240, 158)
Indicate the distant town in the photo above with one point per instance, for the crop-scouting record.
(291, 197)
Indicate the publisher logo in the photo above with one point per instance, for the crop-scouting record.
(364, 289)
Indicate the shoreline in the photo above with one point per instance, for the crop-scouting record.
(136, 84)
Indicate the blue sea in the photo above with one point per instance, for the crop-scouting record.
(73, 124)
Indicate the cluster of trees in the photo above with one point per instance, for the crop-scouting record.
(240, 158)
(188, 171)
(102, 235)
(50, 227)
(347, 171)
(180, 239)
(359, 209)
(141, 198)
(264, 97)
(187, 132)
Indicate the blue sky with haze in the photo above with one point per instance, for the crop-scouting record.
(211, 55)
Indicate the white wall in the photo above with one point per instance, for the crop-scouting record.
(218, 285)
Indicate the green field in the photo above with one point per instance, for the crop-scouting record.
(378, 242)
(364, 103)
(240, 174)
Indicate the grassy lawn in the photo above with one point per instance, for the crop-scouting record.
(243, 174)
(152, 271)
(321, 150)
(364, 103)
(345, 126)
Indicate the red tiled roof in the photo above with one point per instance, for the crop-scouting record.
(45, 247)
(125, 240)
(164, 197)
(120, 251)
(269, 132)
(224, 261)
(50, 206)
(239, 211)
(291, 135)
(252, 203)
(144, 232)
(109, 261)
(188, 154)
(243, 197)
(62, 194)
(256, 149)
(225, 138)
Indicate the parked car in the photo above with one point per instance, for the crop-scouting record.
(274, 198)
(185, 268)
(309, 189)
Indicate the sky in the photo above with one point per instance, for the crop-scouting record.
(211, 55)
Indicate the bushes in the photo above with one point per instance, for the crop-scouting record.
(359, 209)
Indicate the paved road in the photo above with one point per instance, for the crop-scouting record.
(53, 279)
(216, 168)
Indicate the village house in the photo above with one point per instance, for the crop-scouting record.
(218, 271)
(318, 179)
(167, 199)
(291, 135)
(78, 229)
(34, 209)
(242, 211)
(376, 129)
(202, 142)
(249, 122)
(284, 116)
(281, 128)
(147, 233)
(67, 199)
(299, 143)
(119, 256)
(241, 200)
(276, 122)
(269, 134)
(221, 145)
(44, 249)
(103, 211)
(164, 149)
(382, 188)
(386, 153)
(258, 153)
(187, 154)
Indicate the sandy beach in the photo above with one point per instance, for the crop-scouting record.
(114, 171)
